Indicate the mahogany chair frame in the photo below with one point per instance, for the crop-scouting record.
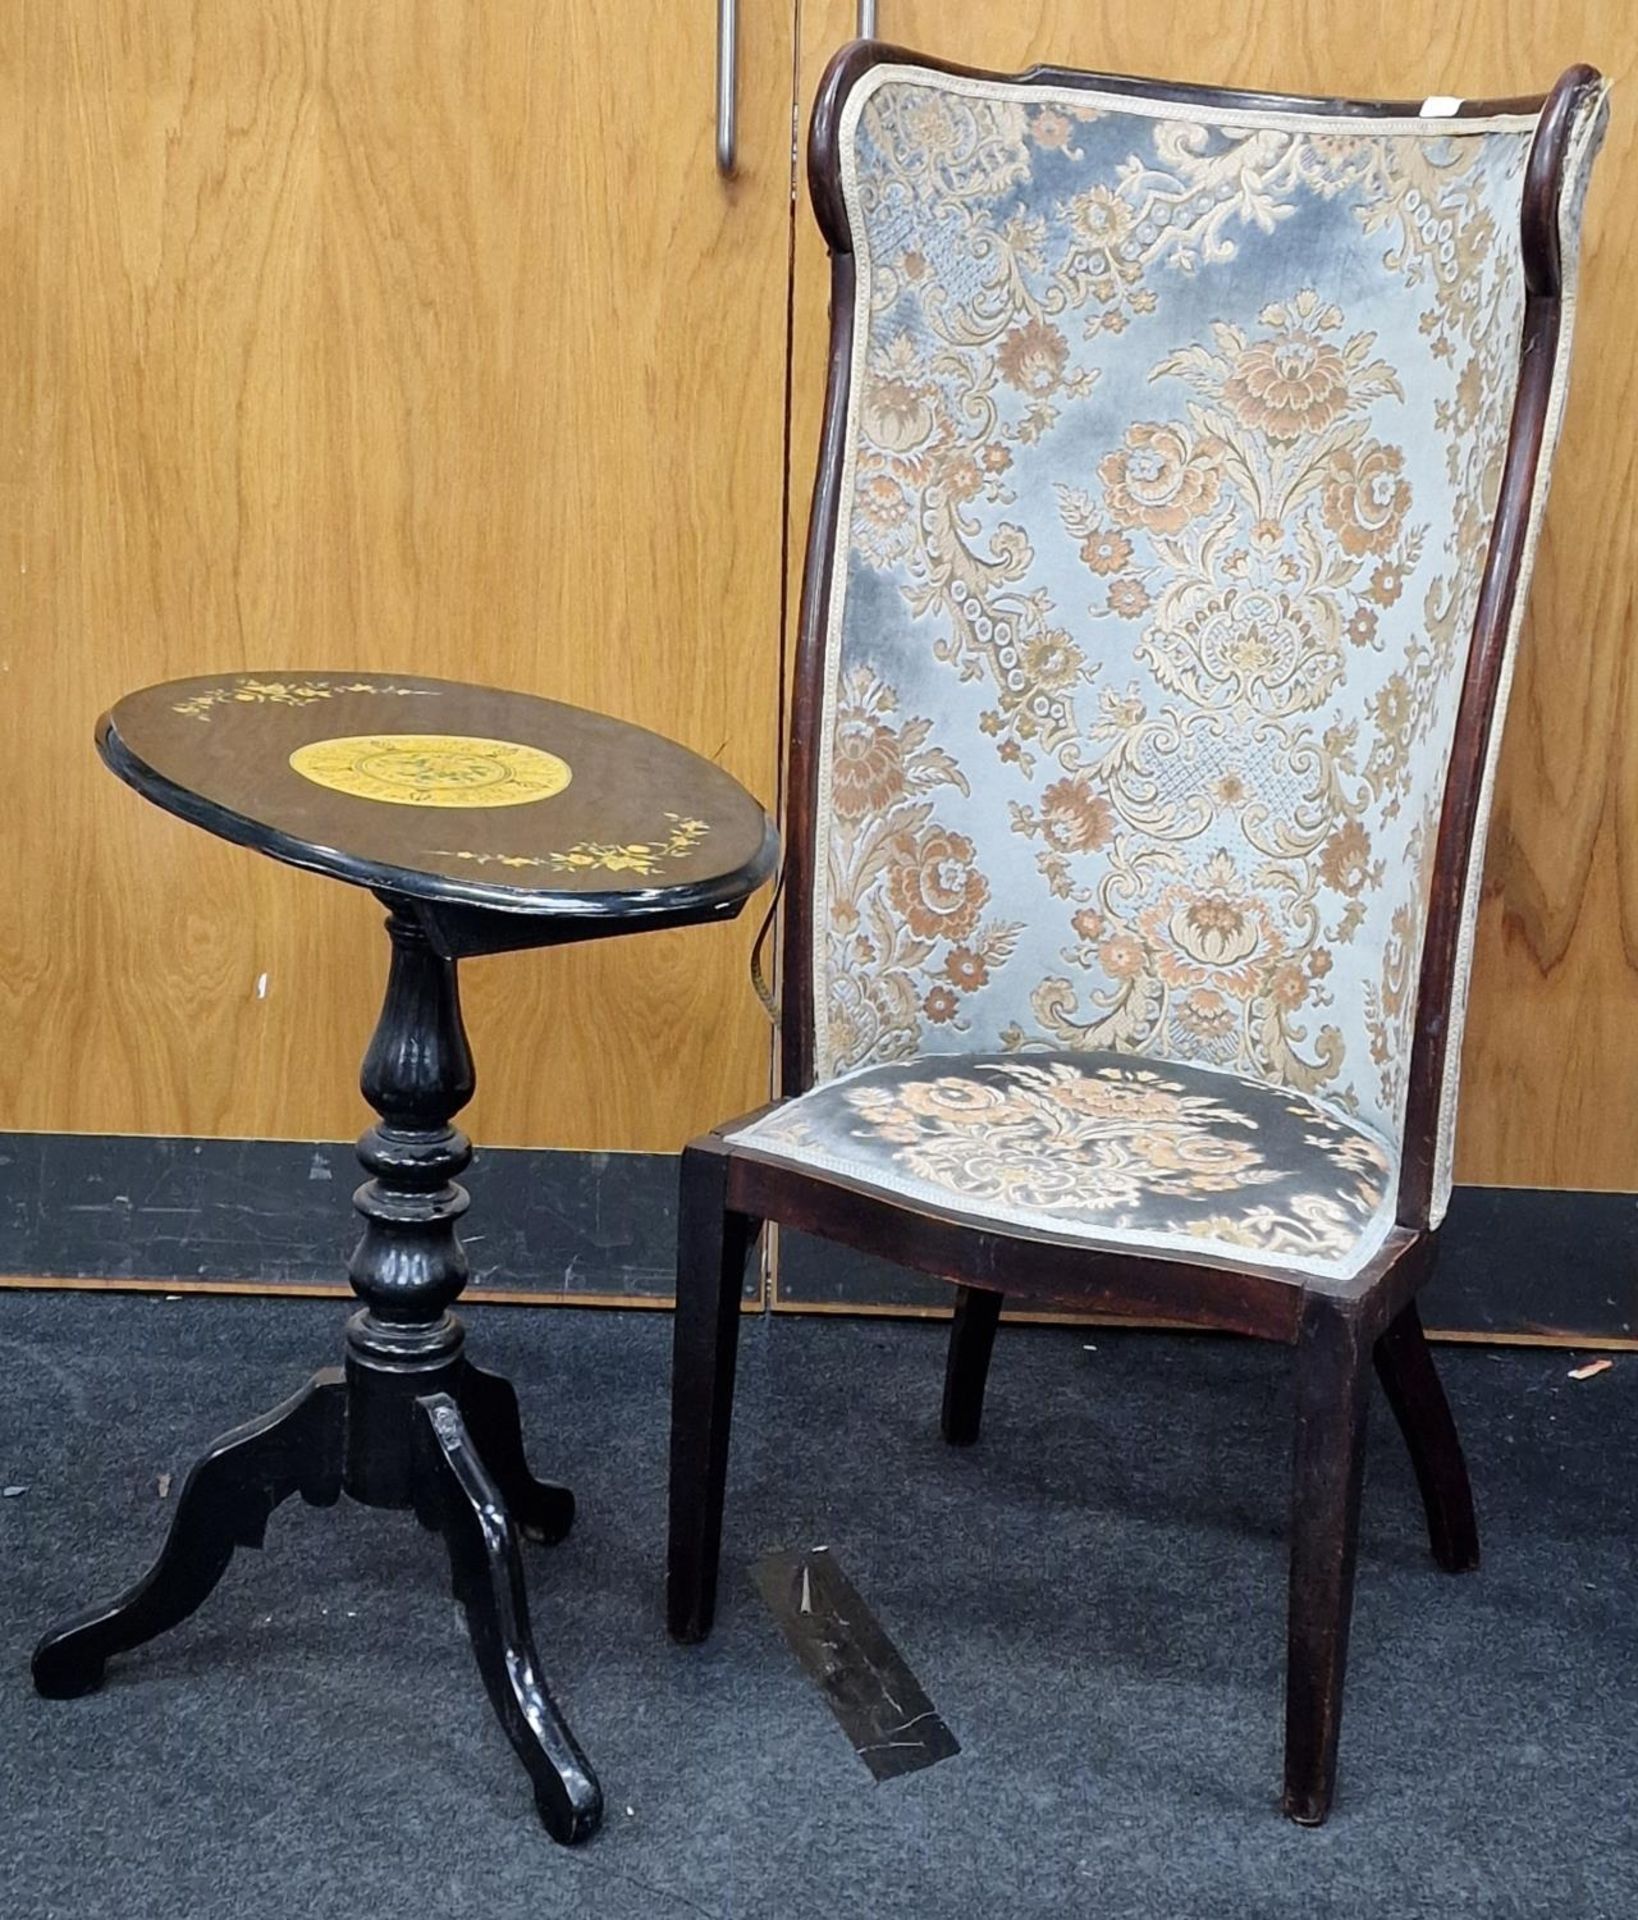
(1338, 1329)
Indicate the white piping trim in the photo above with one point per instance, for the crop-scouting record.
(1112, 100)
(1584, 146)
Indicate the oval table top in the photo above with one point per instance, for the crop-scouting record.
(445, 792)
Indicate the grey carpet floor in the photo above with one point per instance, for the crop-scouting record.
(1093, 1598)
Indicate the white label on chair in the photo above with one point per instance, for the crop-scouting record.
(1440, 106)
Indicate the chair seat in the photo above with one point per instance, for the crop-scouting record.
(1118, 1151)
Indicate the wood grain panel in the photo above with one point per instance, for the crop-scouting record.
(1550, 1092)
(404, 335)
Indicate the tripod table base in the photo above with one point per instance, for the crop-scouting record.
(463, 1472)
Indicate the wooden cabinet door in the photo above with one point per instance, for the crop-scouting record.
(1550, 1072)
(369, 336)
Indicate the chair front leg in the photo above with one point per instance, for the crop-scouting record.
(1333, 1377)
(1404, 1365)
(713, 1244)
(972, 1339)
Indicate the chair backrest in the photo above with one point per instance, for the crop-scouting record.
(1184, 457)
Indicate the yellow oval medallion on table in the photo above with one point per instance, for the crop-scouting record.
(433, 769)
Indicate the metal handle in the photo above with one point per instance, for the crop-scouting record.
(727, 88)
(728, 78)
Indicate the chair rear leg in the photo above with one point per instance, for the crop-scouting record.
(1332, 1396)
(713, 1244)
(967, 1367)
(1404, 1365)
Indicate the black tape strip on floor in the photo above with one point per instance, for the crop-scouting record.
(878, 1700)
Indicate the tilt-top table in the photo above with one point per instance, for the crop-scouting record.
(485, 822)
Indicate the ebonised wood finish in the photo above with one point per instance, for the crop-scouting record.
(643, 832)
(408, 1422)
(1338, 1329)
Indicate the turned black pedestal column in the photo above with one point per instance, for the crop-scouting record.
(409, 1421)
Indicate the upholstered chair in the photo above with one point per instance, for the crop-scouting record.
(1184, 458)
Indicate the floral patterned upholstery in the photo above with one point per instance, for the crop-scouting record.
(1173, 446)
(1114, 1151)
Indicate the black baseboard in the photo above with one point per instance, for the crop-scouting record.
(1517, 1262)
(125, 1207)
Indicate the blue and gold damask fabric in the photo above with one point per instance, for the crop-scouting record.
(1174, 444)
(1106, 1149)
